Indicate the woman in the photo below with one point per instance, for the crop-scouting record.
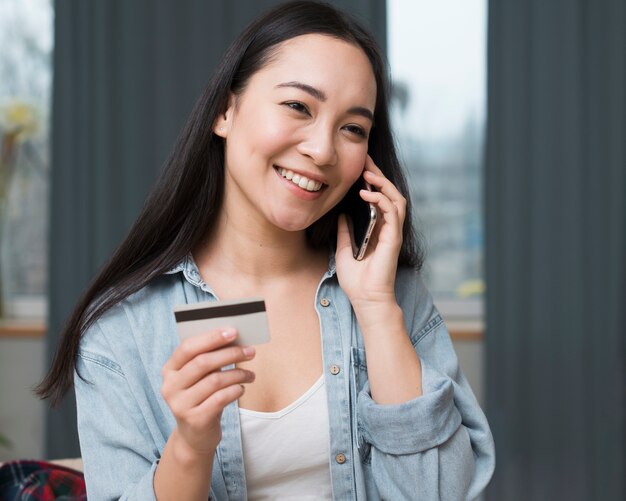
(359, 394)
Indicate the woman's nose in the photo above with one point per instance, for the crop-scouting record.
(319, 145)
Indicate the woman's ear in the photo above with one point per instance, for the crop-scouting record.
(222, 123)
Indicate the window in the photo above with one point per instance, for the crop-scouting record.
(25, 65)
(437, 53)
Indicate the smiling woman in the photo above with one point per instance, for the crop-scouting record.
(358, 395)
(306, 117)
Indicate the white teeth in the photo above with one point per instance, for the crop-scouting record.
(303, 182)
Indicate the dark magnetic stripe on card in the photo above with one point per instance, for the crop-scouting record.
(230, 310)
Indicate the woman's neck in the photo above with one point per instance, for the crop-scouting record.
(256, 253)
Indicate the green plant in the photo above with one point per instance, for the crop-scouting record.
(5, 442)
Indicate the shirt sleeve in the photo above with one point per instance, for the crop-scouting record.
(436, 446)
(119, 460)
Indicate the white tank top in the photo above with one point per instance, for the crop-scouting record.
(286, 453)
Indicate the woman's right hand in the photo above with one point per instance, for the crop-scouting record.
(197, 390)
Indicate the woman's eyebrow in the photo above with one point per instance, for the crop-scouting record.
(320, 96)
(316, 93)
(364, 112)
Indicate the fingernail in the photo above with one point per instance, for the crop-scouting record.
(248, 351)
(229, 334)
(251, 376)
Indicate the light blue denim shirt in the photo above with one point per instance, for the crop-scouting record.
(437, 446)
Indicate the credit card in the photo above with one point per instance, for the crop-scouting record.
(247, 316)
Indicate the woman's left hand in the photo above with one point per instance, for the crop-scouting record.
(370, 282)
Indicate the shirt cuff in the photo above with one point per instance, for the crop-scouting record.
(144, 489)
(414, 426)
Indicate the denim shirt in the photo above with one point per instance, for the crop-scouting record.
(437, 446)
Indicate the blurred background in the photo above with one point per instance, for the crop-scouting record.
(510, 118)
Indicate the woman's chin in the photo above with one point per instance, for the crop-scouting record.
(292, 226)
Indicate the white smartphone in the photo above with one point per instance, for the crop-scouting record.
(248, 316)
(362, 218)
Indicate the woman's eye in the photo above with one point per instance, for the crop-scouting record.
(357, 130)
(297, 106)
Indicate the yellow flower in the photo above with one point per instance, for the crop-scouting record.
(19, 118)
(471, 288)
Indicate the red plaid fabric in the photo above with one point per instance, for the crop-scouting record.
(40, 481)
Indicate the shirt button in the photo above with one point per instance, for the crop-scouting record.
(335, 369)
(325, 302)
(340, 458)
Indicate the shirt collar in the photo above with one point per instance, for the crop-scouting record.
(186, 264)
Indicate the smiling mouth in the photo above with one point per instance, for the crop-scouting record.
(303, 182)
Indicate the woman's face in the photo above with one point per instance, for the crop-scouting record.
(296, 137)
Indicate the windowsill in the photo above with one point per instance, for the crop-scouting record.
(14, 328)
(466, 330)
(460, 330)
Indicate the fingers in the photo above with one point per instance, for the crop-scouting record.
(377, 179)
(209, 385)
(196, 345)
(391, 214)
(390, 194)
(201, 378)
(389, 202)
(387, 188)
(221, 398)
(204, 363)
(200, 356)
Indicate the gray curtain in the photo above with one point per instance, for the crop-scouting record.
(126, 74)
(555, 250)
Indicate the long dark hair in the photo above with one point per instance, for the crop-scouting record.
(183, 206)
